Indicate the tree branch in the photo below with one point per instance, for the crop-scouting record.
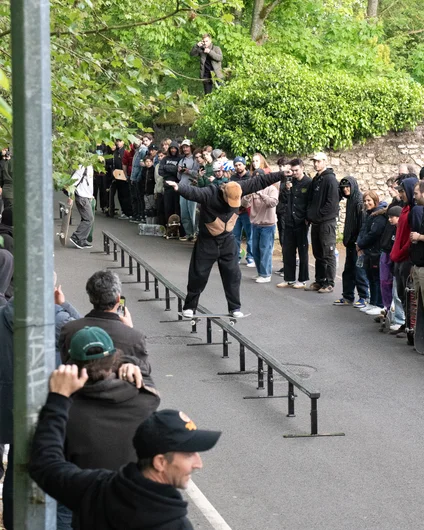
(267, 10)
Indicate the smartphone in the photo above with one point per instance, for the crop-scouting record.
(121, 307)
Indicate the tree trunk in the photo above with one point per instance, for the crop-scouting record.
(372, 8)
(257, 25)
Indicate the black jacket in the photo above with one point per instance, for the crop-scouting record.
(323, 200)
(102, 418)
(168, 166)
(217, 217)
(100, 499)
(296, 201)
(6, 373)
(388, 237)
(354, 214)
(148, 179)
(371, 232)
(131, 341)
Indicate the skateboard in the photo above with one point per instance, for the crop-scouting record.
(411, 311)
(118, 174)
(93, 209)
(231, 320)
(66, 211)
(151, 230)
(173, 227)
(419, 326)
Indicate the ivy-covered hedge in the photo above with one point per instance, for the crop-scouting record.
(289, 108)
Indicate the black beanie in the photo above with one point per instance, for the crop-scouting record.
(394, 211)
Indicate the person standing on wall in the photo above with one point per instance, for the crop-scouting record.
(210, 61)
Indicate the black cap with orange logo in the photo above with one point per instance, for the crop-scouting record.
(168, 431)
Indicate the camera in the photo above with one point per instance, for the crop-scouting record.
(289, 179)
(202, 167)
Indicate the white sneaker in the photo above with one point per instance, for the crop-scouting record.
(283, 285)
(263, 279)
(236, 314)
(299, 285)
(394, 327)
(374, 311)
(187, 313)
(366, 308)
(250, 264)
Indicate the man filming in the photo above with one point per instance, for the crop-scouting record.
(210, 61)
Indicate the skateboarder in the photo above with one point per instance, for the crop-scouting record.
(83, 195)
(216, 242)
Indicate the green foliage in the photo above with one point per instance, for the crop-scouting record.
(288, 108)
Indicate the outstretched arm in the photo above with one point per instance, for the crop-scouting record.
(260, 182)
(192, 193)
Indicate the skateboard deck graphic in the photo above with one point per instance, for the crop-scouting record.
(173, 227)
(231, 320)
(93, 209)
(66, 211)
(411, 312)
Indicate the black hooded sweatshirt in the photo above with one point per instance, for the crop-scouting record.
(100, 499)
(354, 214)
(168, 166)
(323, 201)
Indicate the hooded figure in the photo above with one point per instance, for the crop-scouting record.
(6, 273)
(400, 250)
(353, 276)
(354, 211)
(168, 169)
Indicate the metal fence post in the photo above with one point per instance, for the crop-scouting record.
(34, 326)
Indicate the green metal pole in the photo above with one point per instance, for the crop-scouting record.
(34, 337)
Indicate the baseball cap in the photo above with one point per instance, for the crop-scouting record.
(216, 153)
(319, 156)
(153, 147)
(233, 194)
(217, 166)
(186, 142)
(87, 338)
(394, 211)
(169, 431)
(344, 183)
(239, 159)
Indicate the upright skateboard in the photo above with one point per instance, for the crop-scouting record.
(66, 211)
(419, 325)
(231, 320)
(93, 209)
(173, 227)
(411, 312)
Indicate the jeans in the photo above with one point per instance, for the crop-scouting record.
(372, 267)
(188, 216)
(262, 248)
(243, 223)
(398, 316)
(87, 218)
(63, 517)
(354, 276)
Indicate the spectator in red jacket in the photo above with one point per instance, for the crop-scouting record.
(400, 251)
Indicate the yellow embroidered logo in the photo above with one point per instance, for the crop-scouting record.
(191, 426)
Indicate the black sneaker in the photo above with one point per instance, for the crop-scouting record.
(86, 244)
(76, 242)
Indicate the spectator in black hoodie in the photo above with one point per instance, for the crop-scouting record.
(139, 495)
(148, 179)
(353, 276)
(417, 248)
(168, 169)
(323, 208)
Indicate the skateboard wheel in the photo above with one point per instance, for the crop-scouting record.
(193, 322)
(232, 322)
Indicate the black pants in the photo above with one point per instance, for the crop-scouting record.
(323, 237)
(372, 269)
(354, 276)
(171, 205)
(205, 252)
(124, 196)
(402, 271)
(111, 198)
(207, 83)
(296, 238)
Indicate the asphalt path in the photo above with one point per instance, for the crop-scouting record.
(371, 388)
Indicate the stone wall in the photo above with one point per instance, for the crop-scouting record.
(375, 161)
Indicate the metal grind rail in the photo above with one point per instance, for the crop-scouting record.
(135, 264)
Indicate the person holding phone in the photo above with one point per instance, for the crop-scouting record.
(210, 61)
